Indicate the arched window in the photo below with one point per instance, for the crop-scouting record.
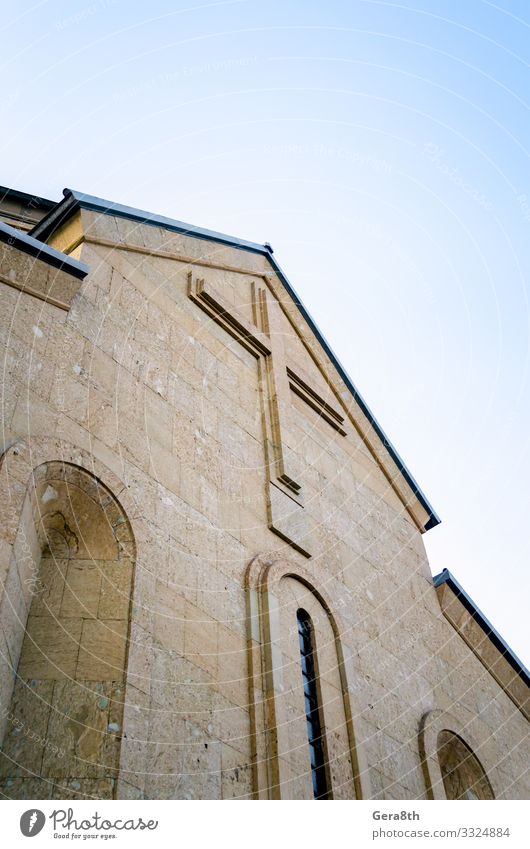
(462, 772)
(312, 706)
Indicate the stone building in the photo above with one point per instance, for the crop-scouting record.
(213, 577)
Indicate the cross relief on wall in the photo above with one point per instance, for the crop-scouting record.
(263, 338)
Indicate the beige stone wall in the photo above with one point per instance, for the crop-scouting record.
(140, 382)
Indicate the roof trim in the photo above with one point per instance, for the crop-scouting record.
(77, 200)
(446, 577)
(33, 247)
(25, 197)
(434, 519)
(74, 200)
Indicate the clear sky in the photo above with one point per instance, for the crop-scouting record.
(382, 149)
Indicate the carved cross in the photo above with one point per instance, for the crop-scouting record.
(263, 338)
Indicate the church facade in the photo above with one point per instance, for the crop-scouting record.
(213, 577)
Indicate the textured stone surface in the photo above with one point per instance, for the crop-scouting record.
(128, 563)
(65, 715)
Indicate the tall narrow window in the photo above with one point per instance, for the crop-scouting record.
(312, 710)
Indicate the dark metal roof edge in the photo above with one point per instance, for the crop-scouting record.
(33, 247)
(74, 200)
(5, 191)
(446, 577)
(53, 219)
(78, 200)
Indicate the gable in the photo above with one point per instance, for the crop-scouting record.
(235, 269)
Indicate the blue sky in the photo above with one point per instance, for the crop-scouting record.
(382, 149)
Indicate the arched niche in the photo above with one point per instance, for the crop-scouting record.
(449, 752)
(276, 589)
(462, 773)
(65, 617)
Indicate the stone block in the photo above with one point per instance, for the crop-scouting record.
(78, 722)
(26, 736)
(115, 590)
(102, 650)
(169, 618)
(81, 596)
(50, 648)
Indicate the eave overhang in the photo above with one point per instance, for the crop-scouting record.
(26, 198)
(27, 244)
(448, 579)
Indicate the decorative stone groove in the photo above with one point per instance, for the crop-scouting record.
(263, 340)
